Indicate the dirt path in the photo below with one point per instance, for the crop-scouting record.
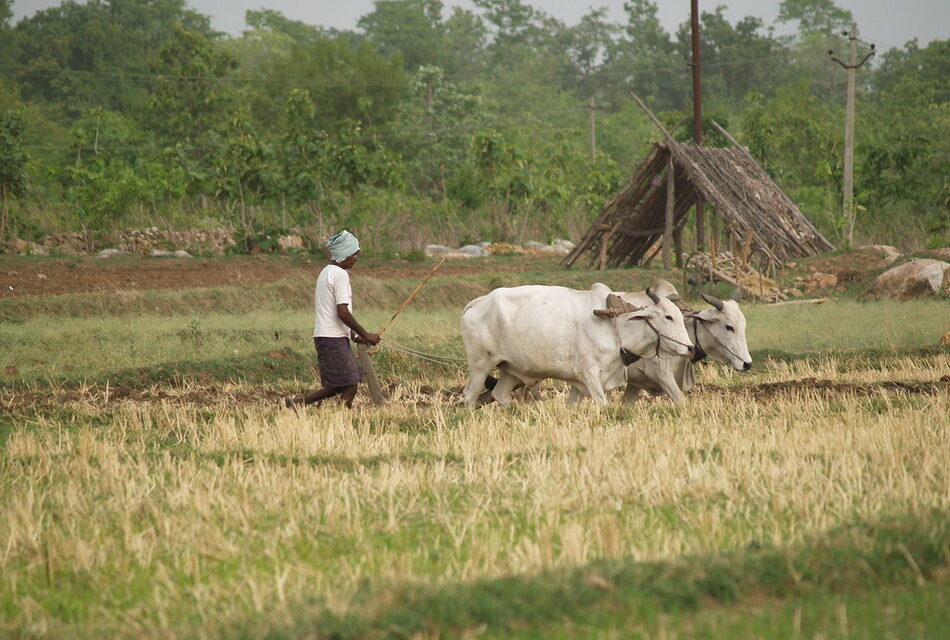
(24, 277)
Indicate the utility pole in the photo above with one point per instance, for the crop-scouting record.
(697, 117)
(852, 68)
(591, 108)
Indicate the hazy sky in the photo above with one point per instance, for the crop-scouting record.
(887, 22)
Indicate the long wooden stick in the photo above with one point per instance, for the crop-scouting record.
(411, 296)
(366, 364)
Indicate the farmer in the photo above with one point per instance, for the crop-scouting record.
(335, 324)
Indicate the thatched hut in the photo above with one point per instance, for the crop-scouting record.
(756, 215)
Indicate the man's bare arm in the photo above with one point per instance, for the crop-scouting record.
(346, 316)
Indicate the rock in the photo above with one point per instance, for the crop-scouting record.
(942, 253)
(887, 252)
(473, 251)
(484, 245)
(915, 278)
(506, 249)
(42, 276)
(108, 253)
(436, 250)
(181, 253)
(816, 281)
(27, 248)
(287, 243)
(531, 245)
(563, 246)
(159, 253)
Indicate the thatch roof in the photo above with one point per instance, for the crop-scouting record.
(752, 208)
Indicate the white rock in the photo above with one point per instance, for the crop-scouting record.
(535, 246)
(437, 250)
(108, 253)
(159, 253)
(919, 277)
(889, 253)
(563, 246)
(473, 251)
(181, 253)
(290, 242)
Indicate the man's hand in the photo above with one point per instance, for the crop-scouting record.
(371, 338)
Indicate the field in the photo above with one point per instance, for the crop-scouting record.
(151, 486)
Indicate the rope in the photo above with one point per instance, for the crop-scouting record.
(431, 357)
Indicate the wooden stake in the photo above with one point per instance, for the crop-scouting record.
(668, 221)
(366, 365)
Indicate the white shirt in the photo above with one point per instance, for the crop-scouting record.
(333, 288)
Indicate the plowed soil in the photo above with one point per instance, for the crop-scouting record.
(215, 395)
(21, 277)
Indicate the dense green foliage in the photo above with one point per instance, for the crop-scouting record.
(423, 125)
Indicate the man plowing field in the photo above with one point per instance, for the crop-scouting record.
(334, 325)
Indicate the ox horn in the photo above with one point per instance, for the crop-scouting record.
(713, 300)
(655, 298)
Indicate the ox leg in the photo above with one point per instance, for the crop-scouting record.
(502, 391)
(631, 394)
(594, 388)
(667, 383)
(577, 393)
(476, 384)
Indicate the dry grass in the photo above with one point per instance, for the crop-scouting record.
(162, 518)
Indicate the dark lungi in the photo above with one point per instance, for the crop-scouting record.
(338, 366)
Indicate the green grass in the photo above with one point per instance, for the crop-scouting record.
(276, 345)
(191, 506)
(854, 565)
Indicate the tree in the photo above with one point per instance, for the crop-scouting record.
(412, 28)
(736, 58)
(645, 61)
(276, 22)
(814, 15)
(346, 81)
(190, 98)
(76, 56)
(12, 166)
(434, 128)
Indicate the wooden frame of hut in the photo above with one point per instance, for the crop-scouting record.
(650, 211)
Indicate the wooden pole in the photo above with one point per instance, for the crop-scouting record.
(848, 204)
(411, 296)
(655, 120)
(668, 221)
(697, 115)
(593, 127)
(366, 365)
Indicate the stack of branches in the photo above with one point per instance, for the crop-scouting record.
(734, 271)
(753, 209)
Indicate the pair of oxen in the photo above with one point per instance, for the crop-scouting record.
(596, 340)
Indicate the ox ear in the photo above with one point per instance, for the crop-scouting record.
(694, 316)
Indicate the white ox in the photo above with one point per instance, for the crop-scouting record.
(717, 333)
(535, 332)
